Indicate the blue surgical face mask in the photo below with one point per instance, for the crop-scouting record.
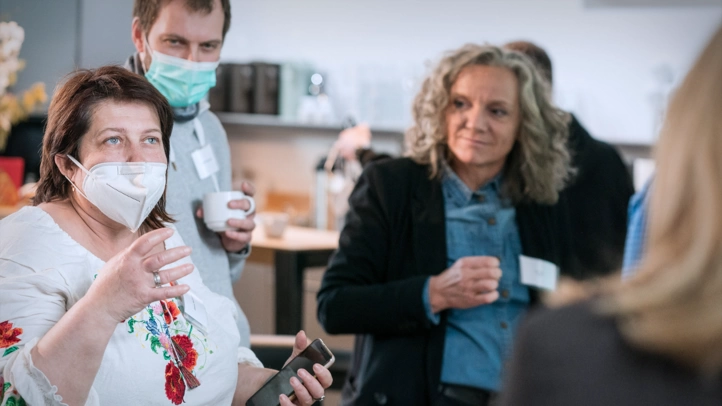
(181, 81)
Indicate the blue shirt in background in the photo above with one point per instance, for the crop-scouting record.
(479, 339)
(636, 230)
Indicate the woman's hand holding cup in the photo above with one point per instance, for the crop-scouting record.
(126, 284)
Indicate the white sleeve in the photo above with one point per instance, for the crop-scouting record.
(30, 304)
(246, 356)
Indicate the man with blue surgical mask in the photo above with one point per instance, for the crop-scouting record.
(178, 45)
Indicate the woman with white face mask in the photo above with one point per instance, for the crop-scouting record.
(99, 299)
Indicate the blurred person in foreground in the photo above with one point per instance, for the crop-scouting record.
(100, 303)
(428, 270)
(656, 339)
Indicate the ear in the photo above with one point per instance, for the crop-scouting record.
(136, 34)
(65, 166)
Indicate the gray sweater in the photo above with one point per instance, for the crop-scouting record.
(185, 190)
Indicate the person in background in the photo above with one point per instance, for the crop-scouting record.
(597, 196)
(97, 289)
(595, 200)
(636, 231)
(427, 273)
(178, 45)
(655, 339)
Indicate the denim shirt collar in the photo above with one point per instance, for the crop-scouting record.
(460, 193)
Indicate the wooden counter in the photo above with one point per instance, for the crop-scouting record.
(299, 248)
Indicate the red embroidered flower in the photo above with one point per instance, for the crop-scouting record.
(9, 335)
(175, 388)
(189, 361)
(172, 309)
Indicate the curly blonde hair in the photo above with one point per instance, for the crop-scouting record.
(538, 166)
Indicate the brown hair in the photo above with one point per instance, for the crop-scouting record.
(536, 54)
(147, 11)
(69, 118)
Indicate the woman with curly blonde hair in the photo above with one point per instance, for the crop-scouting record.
(428, 271)
(537, 165)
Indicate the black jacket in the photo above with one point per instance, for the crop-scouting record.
(594, 204)
(393, 240)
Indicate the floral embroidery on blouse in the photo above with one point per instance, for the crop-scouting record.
(172, 314)
(175, 339)
(9, 336)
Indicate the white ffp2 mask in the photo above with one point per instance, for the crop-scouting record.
(126, 192)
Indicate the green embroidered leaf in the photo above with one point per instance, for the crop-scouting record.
(154, 343)
(131, 322)
(5, 388)
(21, 402)
(11, 401)
(146, 336)
(166, 356)
(10, 350)
(190, 331)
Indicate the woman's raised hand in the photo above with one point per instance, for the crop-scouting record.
(126, 284)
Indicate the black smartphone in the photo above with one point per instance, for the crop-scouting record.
(316, 353)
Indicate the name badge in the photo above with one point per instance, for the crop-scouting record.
(195, 312)
(538, 273)
(205, 161)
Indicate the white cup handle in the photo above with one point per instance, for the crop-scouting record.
(252, 202)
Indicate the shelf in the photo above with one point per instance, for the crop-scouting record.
(276, 122)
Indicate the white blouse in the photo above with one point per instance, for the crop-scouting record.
(44, 272)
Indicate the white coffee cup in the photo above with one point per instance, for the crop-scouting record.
(216, 212)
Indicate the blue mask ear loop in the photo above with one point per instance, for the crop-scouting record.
(87, 173)
(147, 52)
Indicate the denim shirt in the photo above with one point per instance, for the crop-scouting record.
(479, 340)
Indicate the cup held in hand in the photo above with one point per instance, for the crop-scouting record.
(216, 212)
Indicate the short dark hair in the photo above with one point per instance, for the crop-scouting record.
(147, 11)
(69, 118)
(536, 54)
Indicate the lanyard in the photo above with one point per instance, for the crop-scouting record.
(201, 136)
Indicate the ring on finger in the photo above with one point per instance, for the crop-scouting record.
(319, 399)
(156, 279)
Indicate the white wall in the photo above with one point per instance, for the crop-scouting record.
(50, 47)
(105, 32)
(61, 35)
(604, 58)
